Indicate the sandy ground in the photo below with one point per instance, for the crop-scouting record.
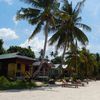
(89, 92)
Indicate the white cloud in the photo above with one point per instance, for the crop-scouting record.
(7, 1)
(37, 44)
(8, 34)
(14, 20)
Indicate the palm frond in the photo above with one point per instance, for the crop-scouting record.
(78, 7)
(34, 21)
(35, 3)
(37, 29)
(27, 13)
(81, 37)
(78, 19)
(83, 26)
(52, 21)
(54, 38)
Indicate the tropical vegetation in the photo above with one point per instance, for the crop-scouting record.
(64, 22)
(68, 31)
(23, 51)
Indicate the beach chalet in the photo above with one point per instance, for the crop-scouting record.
(15, 65)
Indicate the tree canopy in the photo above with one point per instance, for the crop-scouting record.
(1, 47)
(23, 51)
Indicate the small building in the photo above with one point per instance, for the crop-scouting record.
(44, 71)
(15, 65)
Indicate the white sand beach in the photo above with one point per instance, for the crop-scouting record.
(89, 92)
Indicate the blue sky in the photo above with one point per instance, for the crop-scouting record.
(17, 33)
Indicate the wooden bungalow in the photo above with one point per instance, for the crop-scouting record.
(15, 65)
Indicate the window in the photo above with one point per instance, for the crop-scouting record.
(27, 68)
(18, 66)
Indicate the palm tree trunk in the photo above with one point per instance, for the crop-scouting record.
(62, 59)
(34, 74)
(46, 38)
(45, 45)
(76, 70)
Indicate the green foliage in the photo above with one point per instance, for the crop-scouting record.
(83, 63)
(56, 60)
(1, 47)
(68, 28)
(23, 51)
(4, 83)
(18, 84)
(97, 57)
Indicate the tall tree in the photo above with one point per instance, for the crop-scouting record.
(69, 28)
(88, 62)
(1, 47)
(41, 14)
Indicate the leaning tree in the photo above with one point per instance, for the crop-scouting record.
(40, 14)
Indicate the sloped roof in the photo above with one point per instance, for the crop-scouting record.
(14, 55)
(37, 63)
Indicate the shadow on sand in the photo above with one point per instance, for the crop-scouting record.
(45, 88)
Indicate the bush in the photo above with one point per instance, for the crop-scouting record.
(4, 83)
(18, 84)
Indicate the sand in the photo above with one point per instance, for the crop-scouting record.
(89, 92)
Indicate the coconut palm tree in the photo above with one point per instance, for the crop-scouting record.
(88, 63)
(69, 27)
(72, 57)
(41, 14)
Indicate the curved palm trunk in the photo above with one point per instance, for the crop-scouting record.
(45, 45)
(62, 59)
(76, 70)
(34, 74)
(46, 39)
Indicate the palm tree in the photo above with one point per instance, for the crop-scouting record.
(40, 14)
(69, 27)
(88, 63)
(72, 57)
